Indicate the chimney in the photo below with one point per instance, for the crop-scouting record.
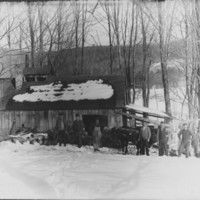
(18, 77)
(18, 81)
(26, 60)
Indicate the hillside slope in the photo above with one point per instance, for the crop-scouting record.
(96, 61)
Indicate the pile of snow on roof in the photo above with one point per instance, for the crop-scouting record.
(142, 109)
(57, 91)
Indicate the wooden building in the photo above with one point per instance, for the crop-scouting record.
(42, 114)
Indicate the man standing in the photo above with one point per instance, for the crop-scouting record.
(61, 129)
(145, 135)
(162, 136)
(78, 128)
(96, 135)
(185, 136)
(195, 142)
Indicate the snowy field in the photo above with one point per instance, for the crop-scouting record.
(53, 172)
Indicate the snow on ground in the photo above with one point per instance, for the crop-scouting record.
(174, 63)
(53, 172)
(56, 91)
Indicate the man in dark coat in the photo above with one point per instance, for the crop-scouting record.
(61, 130)
(145, 135)
(195, 142)
(162, 136)
(185, 135)
(78, 128)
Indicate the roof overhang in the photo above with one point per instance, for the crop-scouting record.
(36, 71)
(149, 111)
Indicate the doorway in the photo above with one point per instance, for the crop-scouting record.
(89, 121)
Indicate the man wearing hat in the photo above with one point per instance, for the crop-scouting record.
(185, 136)
(61, 129)
(162, 137)
(145, 135)
(196, 142)
(78, 128)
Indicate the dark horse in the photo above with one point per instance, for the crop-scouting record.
(126, 135)
(132, 135)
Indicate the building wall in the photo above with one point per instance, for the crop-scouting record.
(5, 87)
(6, 90)
(45, 120)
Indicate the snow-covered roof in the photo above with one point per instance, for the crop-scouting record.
(57, 91)
(73, 92)
(151, 112)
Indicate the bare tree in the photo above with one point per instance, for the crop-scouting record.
(86, 20)
(147, 32)
(130, 38)
(109, 30)
(8, 26)
(116, 21)
(20, 36)
(189, 26)
(41, 32)
(132, 47)
(31, 32)
(189, 61)
(165, 34)
(121, 25)
(196, 26)
(76, 18)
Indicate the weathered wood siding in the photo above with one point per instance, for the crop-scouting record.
(45, 120)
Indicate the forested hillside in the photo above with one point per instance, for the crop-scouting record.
(97, 61)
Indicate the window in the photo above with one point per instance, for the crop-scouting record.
(30, 78)
(35, 78)
(41, 77)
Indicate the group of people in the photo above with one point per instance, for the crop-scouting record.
(187, 139)
(78, 129)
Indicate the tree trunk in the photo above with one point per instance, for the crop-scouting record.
(20, 36)
(40, 16)
(144, 67)
(32, 34)
(84, 11)
(110, 42)
(166, 87)
(163, 61)
(77, 16)
(9, 34)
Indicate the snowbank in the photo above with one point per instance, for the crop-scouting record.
(52, 172)
(173, 64)
(57, 91)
